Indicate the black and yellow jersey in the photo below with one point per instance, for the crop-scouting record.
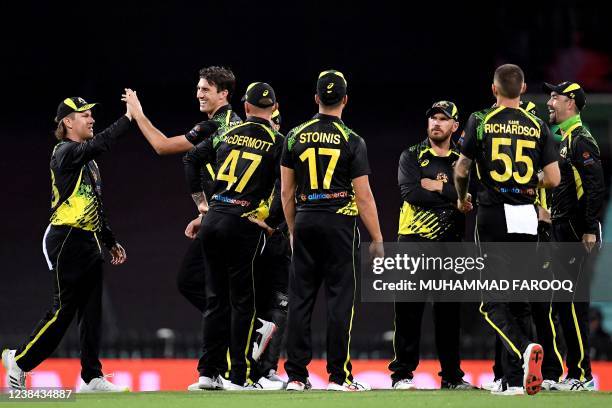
(428, 214)
(76, 186)
(223, 119)
(543, 199)
(247, 162)
(326, 156)
(509, 147)
(579, 195)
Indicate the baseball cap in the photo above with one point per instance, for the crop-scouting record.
(260, 94)
(276, 117)
(445, 107)
(529, 107)
(570, 89)
(331, 87)
(73, 104)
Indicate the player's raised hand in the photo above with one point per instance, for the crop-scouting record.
(134, 108)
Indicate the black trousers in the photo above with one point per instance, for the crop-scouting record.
(512, 321)
(191, 283)
(325, 251)
(271, 276)
(75, 259)
(574, 316)
(546, 323)
(230, 244)
(407, 336)
(547, 331)
(271, 280)
(190, 278)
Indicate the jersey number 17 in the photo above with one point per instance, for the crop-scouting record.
(310, 155)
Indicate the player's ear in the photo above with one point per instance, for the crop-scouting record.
(345, 100)
(524, 88)
(455, 126)
(67, 122)
(246, 109)
(494, 90)
(317, 99)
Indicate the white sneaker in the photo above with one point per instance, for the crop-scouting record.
(230, 386)
(273, 376)
(509, 391)
(532, 368)
(495, 385)
(589, 385)
(206, 383)
(269, 385)
(266, 332)
(548, 385)
(570, 384)
(298, 386)
(405, 384)
(101, 384)
(15, 376)
(349, 386)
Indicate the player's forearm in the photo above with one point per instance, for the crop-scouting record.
(551, 176)
(369, 215)
(199, 199)
(288, 202)
(594, 188)
(192, 166)
(461, 176)
(160, 143)
(461, 185)
(106, 233)
(417, 195)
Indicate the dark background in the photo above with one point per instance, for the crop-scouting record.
(397, 59)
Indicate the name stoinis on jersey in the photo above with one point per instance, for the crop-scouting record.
(248, 141)
(512, 127)
(326, 156)
(319, 137)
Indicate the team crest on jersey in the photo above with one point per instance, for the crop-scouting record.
(424, 162)
(443, 177)
(563, 152)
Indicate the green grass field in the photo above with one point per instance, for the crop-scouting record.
(313, 399)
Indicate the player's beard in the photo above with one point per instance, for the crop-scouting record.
(438, 136)
(552, 117)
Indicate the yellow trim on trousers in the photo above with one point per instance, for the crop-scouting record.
(348, 347)
(59, 297)
(582, 378)
(501, 333)
(554, 333)
(248, 344)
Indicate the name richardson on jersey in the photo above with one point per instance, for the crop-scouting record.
(248, 141)
(512, 127)
(319, 137)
